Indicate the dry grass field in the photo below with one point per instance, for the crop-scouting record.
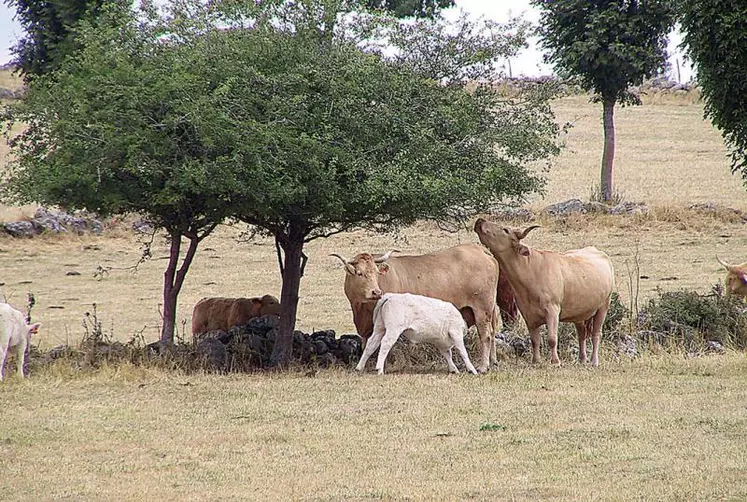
(661, 427)
(657, 428)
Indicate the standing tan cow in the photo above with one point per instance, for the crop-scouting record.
(551, 287)
(224, 313)
(463, 275)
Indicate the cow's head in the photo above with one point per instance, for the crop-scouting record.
(502, 240)
(362, 275)
(736, 278)
(269, 305)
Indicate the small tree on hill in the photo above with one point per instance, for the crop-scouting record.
(716, 41)
(609, 45)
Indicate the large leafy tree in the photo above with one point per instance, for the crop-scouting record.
(608, 45)
(716, 40)
(49, 28)
(329, 138)
(277, 117)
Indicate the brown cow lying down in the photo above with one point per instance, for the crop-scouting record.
(224, 313)
(551, 287)
(735, 281)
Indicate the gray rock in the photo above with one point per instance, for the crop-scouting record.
(350, 348)
(320, 347)
(566, 208)
(262, 325)
(212, 354)
(143, 227)
(596, 207)
(326, 360)
(714, 347)
(518, 214)
(629, 208)
(520, 346)
(21, 229)
(627, 346)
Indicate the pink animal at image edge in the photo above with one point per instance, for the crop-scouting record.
(419, 319)
(15, 335)
(550, 287)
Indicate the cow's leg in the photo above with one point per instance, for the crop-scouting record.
(373, 343)
(583, 333)
(552, 335)
(446, 352)
(596, 334)
(20, 358)
(390, 338)
(497, 327)
(3, 353)
(484, 324)
(534, 336)
(458, 338)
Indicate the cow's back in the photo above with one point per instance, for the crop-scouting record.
(458, 275)
(211, 314)
(588, 281)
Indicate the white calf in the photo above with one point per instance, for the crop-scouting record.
(14, 334)
(420, 319)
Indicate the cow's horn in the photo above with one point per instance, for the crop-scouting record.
(527, 230)
(342, 258)
(725, 265)
(385, 256)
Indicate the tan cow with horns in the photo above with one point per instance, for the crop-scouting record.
(551, 287)
(735, 281)
(463, 275)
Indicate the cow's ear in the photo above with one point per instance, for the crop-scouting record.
(350, 269)
(34, 328)
(383, 268)
(524, 250)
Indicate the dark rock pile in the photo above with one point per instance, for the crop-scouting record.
(248, 347)
(51, 221)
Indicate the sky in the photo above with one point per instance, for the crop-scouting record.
(528, 63)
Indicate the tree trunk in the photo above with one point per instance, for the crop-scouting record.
(608, 156)
(172, 283)
(291, 270)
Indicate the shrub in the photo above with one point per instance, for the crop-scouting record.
(687, 318)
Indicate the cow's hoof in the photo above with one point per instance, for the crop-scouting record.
(482, 370)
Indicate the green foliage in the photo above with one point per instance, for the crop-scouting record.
(686, 318)
(608, 44)
(49, 31)
(108, 132)
(716, 40)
